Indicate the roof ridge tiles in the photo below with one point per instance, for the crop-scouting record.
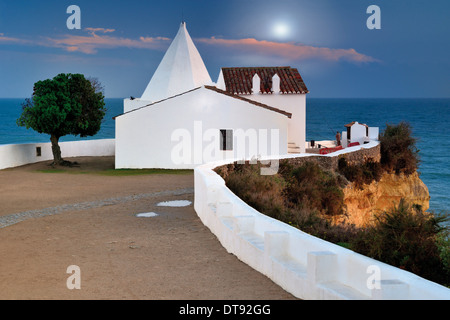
(238, 80)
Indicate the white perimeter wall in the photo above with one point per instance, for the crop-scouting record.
(305, 266)
(14, 155)
(151, 137)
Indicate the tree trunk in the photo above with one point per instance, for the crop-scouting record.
(57, 160)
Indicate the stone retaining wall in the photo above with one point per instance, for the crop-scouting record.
(357, 155)
(331, 162)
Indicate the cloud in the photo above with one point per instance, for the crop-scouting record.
(4, 39)
(90, 44)
(290, 50)
(94, 40)
(149, 39)
(102, 30)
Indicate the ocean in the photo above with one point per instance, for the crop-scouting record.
(11, 133)
(428, 118)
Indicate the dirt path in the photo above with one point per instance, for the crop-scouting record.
(93, 225)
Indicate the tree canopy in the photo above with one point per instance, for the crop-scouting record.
(68, 104)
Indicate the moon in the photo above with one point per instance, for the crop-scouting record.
(281, 30)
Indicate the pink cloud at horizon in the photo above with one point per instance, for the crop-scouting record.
(91, 43)
(5, 39)
(290, 50)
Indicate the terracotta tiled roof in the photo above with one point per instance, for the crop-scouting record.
(262, 105)
(239, 80)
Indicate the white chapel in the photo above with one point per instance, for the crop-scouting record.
(184, 119)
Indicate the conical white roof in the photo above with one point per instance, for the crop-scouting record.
(182, 69)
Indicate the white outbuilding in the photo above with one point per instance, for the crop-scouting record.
(359, 133)
(183, 119)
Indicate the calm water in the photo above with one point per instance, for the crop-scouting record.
(10, 133)
(429, 119)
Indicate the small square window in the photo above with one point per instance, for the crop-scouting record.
(38, 151)
(226, 140)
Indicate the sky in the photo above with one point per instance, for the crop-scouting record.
(121, 43)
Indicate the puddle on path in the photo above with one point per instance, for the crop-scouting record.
(147, 215)
(176, 203)
(173, 204)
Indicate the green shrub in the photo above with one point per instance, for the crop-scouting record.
(407, 238)
(311, 184)
(398, 149)
(263, 193)
(300, 196)
(443, 243)
(361, 174)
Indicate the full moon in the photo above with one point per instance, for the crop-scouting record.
(281, 30)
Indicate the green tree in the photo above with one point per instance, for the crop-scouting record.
(68, 104)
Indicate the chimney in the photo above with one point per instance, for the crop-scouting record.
(256, 87)
(276, 83)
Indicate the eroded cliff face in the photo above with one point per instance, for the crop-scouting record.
(362, 204)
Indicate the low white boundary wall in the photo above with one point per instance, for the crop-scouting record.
(305, 266)
(14, 155)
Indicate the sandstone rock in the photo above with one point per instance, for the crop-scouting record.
(362, 204)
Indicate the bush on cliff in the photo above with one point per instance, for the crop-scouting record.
(408, 238)
(263, 193)
(399, 153)
(360, 174)
(303, 196)
(443, 243)
(311, 184)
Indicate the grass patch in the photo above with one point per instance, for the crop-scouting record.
(136, 172)
(119, 172)
(52, 171)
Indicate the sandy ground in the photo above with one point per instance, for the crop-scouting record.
(172, 256)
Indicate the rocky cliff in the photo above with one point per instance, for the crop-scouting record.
(362, 204)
